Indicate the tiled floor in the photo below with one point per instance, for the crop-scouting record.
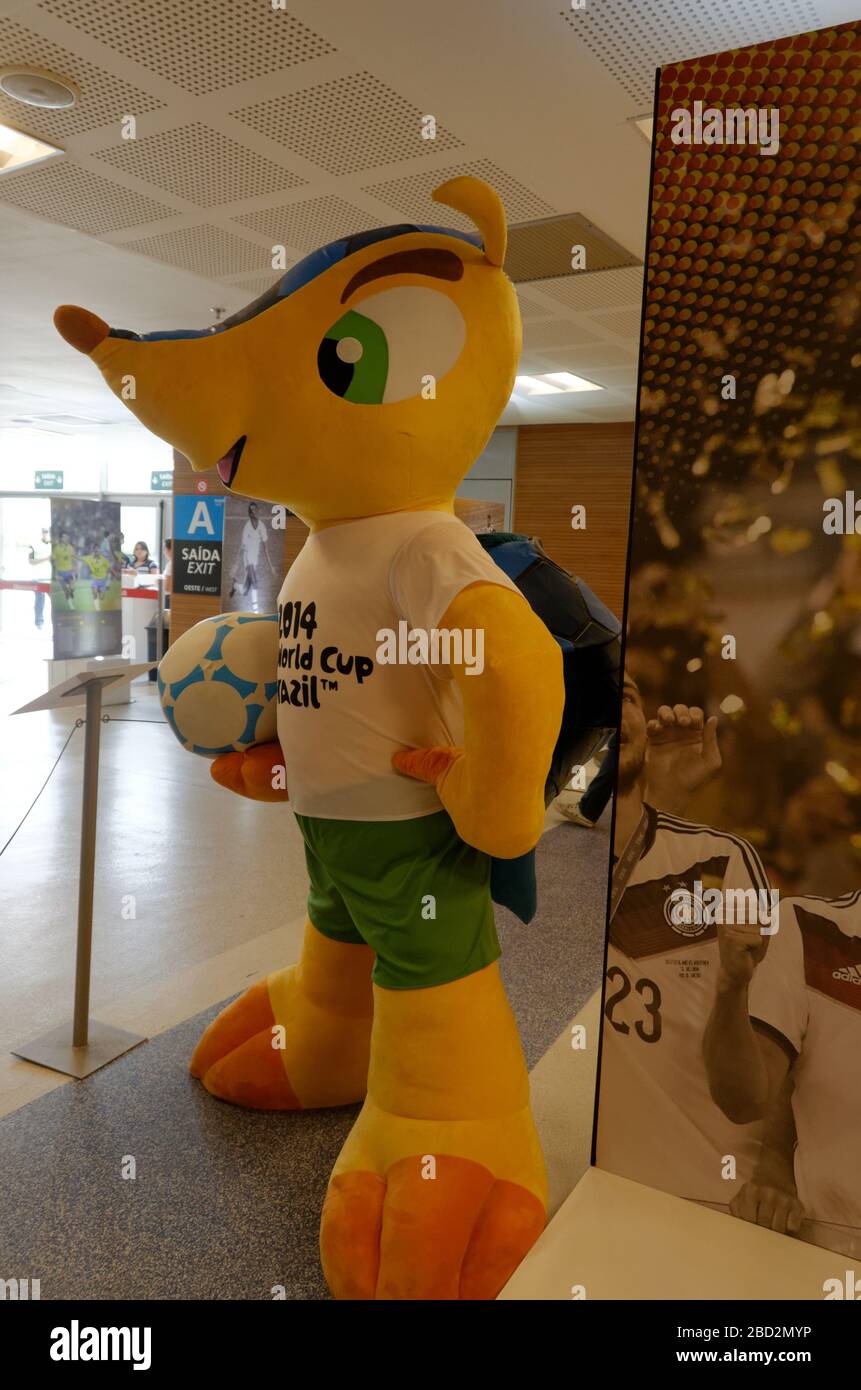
(197, 891)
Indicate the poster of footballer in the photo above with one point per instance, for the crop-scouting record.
(253, 556)
(86, 577)
(731, 1032)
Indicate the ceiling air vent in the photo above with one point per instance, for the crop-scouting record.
(545, 250)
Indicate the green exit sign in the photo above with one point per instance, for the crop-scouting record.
(49, 480)
(161, 480)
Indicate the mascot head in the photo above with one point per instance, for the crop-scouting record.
(367, 380)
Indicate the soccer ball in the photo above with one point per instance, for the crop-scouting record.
(217, 683)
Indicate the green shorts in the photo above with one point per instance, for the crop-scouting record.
(410, 889)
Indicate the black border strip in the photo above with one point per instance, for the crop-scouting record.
(631, 517)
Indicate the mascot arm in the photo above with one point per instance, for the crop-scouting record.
(258, 774)
(493, 787)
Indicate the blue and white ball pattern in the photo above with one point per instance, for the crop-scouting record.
(217, 683)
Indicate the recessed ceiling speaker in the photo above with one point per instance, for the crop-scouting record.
(36, 87)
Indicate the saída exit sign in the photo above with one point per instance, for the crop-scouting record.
(49, 480)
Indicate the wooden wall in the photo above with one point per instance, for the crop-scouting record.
(560, 466)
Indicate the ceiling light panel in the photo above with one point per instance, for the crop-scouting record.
(534, 386)
(553, 383)
(567, 381)
(18, 151)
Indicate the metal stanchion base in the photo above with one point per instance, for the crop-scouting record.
(55, 1049)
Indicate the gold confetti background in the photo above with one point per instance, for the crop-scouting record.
(754, 270)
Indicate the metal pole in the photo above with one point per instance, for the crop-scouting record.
(159, 641)
(80, 1026)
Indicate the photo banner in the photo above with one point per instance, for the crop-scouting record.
(253, 556)
(86, 578)
(730, 1068)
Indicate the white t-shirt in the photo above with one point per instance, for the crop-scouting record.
(657, 1122)
(808, 989)
(343, 713)
(252, 539)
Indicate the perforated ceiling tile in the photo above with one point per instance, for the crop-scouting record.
(199, 164)
(64, 192)
(531, 308)
(201, 45)
(349, 124)
(310, 224)
(631, 41)
(626, 323)
(538, 336)
(410, 196)
(253, 285)
(600, 289)
(104, 99)
(619, 379)
(208, 251)
(586, 359)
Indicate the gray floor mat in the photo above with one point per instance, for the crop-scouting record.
(225, 1203)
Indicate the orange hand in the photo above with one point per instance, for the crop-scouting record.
(426, 764)
(252, 774)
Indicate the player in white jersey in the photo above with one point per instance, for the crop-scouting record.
(797, 1059)
(255, 537)
(657, 1122)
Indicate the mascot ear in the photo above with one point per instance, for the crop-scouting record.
(482, 204)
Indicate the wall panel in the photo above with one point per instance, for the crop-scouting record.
(560, 466)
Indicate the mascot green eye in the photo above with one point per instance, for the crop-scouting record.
(353, 359)
(392, 346)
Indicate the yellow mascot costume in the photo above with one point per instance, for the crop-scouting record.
(358, 392)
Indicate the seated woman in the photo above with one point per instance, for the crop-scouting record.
(141, 560)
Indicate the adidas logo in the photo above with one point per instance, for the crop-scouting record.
(852, 973)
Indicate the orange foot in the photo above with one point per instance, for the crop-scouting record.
(298, 1039)
(432, 1224)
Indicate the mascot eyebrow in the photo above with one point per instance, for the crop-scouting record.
(444, 265)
